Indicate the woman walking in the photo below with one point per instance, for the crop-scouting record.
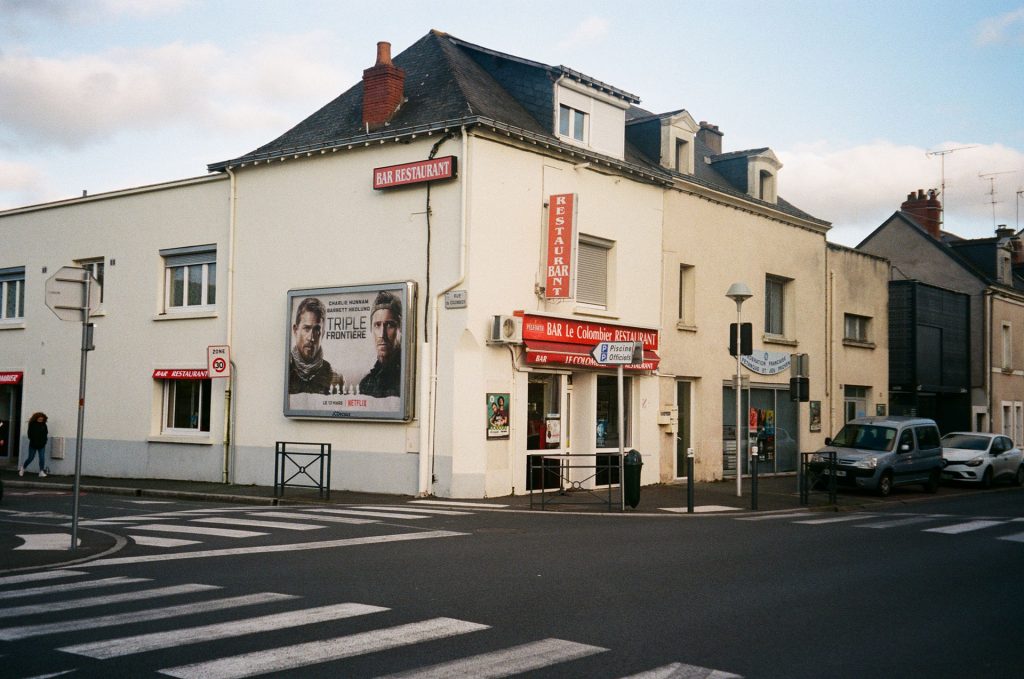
(37, 435)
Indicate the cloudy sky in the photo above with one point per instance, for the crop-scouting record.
(860, 99)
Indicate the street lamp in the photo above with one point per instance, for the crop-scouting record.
(739, 293)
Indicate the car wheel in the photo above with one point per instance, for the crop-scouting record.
(986, 478)
(1018, 479)
(932, 484)
(885, 484)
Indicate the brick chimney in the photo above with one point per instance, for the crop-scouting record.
(926, 210)
(383, 88)
(709, 135)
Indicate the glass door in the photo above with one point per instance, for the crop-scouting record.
(546, 430)
(10, 416)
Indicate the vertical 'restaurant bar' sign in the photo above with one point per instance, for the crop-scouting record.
(561, 239)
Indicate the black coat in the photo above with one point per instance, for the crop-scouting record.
(37, 434)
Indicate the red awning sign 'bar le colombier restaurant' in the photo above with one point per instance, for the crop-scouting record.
(564, 341)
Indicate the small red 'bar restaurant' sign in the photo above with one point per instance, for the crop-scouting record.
(414, 173)
(180, 374)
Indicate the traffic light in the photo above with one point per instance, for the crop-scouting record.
(746, 339)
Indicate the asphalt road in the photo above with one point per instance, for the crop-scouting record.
(198, 589)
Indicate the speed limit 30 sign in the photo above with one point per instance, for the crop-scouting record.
(218, 360)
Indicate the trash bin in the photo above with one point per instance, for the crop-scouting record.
(631, 464)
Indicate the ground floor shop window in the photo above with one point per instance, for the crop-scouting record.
(855, 402)
(186, 406)
(769, 420)
(607, 434)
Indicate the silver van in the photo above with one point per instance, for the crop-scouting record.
(879, 453)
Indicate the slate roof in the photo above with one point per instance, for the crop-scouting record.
(450, 82)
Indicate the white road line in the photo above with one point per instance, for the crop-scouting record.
(26, 631)
(154, 541)
(140, 643)
(769, 517)
(267, 549)
(506, 662)
(958, 528)
(418, 510)
(32, 577)
(349, 519)
(453, 503)
(379, 515)
(895, 523)
(149, 502)
(680, 671)
(325, 650)
(701, 509)
(838, 519)
(197, 530)
(1019, 537)
(254, 523)
(70, 587)
(323, 518)
(17, 611)
(45, 542)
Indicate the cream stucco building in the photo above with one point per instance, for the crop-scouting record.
(472, 225)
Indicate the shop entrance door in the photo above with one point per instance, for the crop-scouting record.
(547, 429)
(10, 419)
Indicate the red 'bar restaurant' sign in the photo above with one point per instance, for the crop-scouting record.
(414, 173)
(165, 374)
(11, 377)
(561, 219)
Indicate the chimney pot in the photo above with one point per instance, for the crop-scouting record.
(383, 54)
(926, 211)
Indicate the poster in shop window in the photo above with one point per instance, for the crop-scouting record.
(350, 352)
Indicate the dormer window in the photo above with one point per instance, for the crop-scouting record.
(572, 123)
(683, 157)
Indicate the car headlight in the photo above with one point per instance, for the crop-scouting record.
(817, 457)
(976, 462)
(867, 463)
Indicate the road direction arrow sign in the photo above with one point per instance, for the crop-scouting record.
(616, 353)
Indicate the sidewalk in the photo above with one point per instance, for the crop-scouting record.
(775, 493)
(19, 522)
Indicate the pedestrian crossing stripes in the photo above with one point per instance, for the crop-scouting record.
(34, 609)
(950, 524)
(256, 523)
(367, 635)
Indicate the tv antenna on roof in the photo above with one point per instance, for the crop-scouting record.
(942, 186)
(991, 177)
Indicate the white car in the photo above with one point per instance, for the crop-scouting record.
(981, 458)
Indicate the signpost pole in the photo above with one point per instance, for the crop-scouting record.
(86, 291)
(622, 444)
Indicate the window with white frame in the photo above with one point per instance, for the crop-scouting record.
(572, 123)
(97, 267)
(12, 293)
(592, 265)
(190, 278)
(186, 408)
(775, 305)
(855, 327)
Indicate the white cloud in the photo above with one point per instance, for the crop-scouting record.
(76, 101)
(19, 182)
(859, 187)
(591, 30)
(1006, 28)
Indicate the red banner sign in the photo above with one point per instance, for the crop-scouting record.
(561, 237)
(172, 374)
(11, 377)
(572, 331)
(414, 173)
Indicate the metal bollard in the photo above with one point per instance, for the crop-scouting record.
(753, 478)
(689, 480)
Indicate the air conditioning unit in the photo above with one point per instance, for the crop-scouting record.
(506, 330)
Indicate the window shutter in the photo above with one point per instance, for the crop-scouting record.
(202, 254)
(592, 274)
